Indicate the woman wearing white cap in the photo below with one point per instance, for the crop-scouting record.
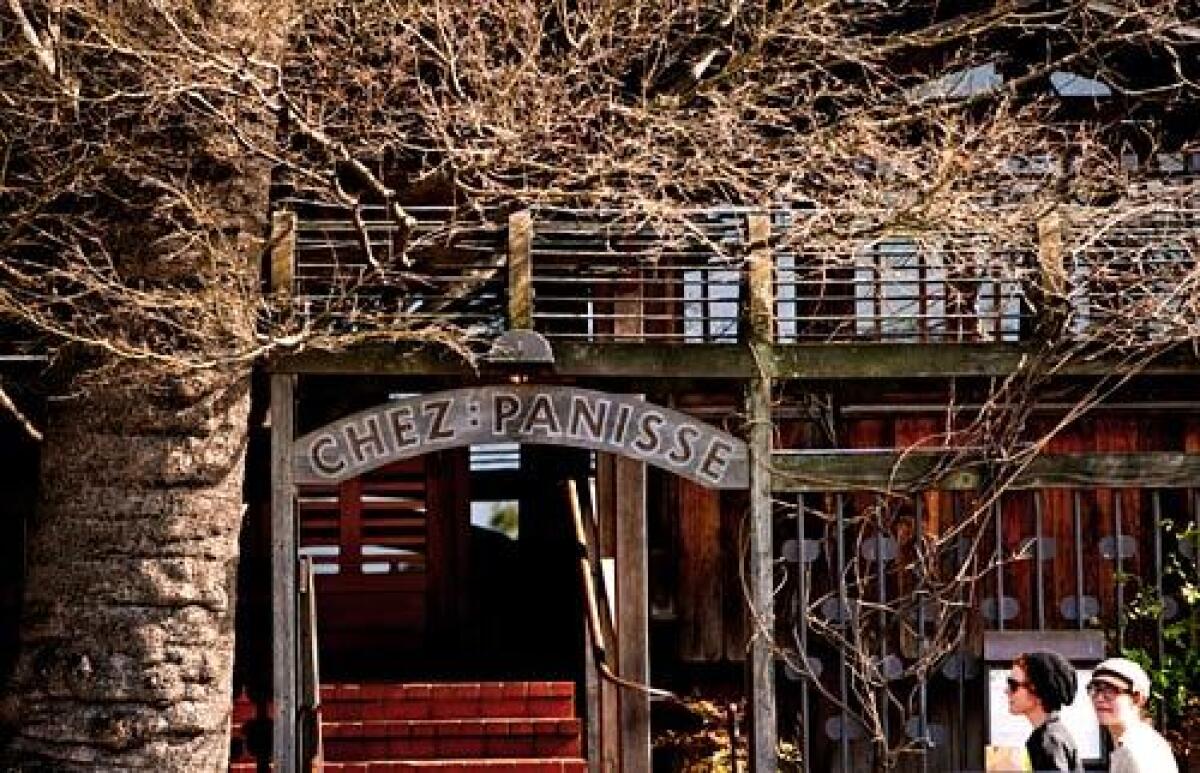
(1119, 689)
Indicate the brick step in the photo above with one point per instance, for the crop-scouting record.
(546, 765)
(451, 739)
(465, 700)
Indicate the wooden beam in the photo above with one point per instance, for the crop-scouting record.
(832, 361)
(633, 613)
(764, 730)
(282, 253)
(520, 271)
(284, 641)
(847, 470)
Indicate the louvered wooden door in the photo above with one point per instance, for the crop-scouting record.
(383, 547)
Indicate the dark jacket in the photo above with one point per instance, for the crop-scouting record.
(1051, 747)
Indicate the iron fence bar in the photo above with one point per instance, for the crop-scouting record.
(1118, 581)
(1156, 508)
(1077, 520)
(956, 509)
(843, 614)
(1039, 569)
(999, 605)
(802, 620)
(922, 688)
(881, 595)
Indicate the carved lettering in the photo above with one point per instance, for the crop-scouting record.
(541, 415)
(401, 421)
(585, 417)
(617, 424)
(617, 438)
(716, 460)
(648, 440)
(504, 408)
(684, 451)
(438, 410)
(329, 466)
(365, 443)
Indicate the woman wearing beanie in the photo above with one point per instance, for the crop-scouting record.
(1039, 684)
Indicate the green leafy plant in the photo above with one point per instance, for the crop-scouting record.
(1175, 675)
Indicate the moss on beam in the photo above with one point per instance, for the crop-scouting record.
(849, 470)
(784, 362)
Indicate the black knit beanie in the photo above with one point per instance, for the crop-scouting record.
(1052, 677)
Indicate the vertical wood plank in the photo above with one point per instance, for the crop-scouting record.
(699, 585)
(283, 572)
(350, 525)
(761, 300)
(762, 611)
(585, 499)
(606, 549)
(520, 271)
(734, 610)
(283, 253)
(1119, 513)
(441, 555)
(633, 618)
(460, 477)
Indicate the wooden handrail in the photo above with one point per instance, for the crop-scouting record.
(308, 715)
(592, 600)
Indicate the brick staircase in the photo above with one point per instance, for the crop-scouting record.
(501, 727)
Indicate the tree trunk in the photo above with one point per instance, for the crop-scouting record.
(127, 641)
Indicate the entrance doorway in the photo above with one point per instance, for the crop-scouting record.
(457, 564)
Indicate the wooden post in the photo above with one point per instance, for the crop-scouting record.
(1054, 283)
(283, 253)
(283, 573)
(520, 271)
(761, 287)
(761, 602)
(633, 616)
(606, 550)
(762, 612)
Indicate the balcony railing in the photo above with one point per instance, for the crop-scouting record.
(725, 276)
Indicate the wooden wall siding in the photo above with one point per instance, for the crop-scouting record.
(734, 614)
(1082, 561)
(700, 597)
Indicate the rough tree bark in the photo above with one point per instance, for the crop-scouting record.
(128, 630)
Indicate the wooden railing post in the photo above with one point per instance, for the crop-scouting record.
(1053, 279)
(760, 305)
(520, 271)
(282, 253)
(760, 285)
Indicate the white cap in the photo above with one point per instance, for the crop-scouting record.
(1123, 673)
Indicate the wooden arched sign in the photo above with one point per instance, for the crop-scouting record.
(553, 415)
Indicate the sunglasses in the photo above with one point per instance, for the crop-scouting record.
(1015, 684)
(1106, 690)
